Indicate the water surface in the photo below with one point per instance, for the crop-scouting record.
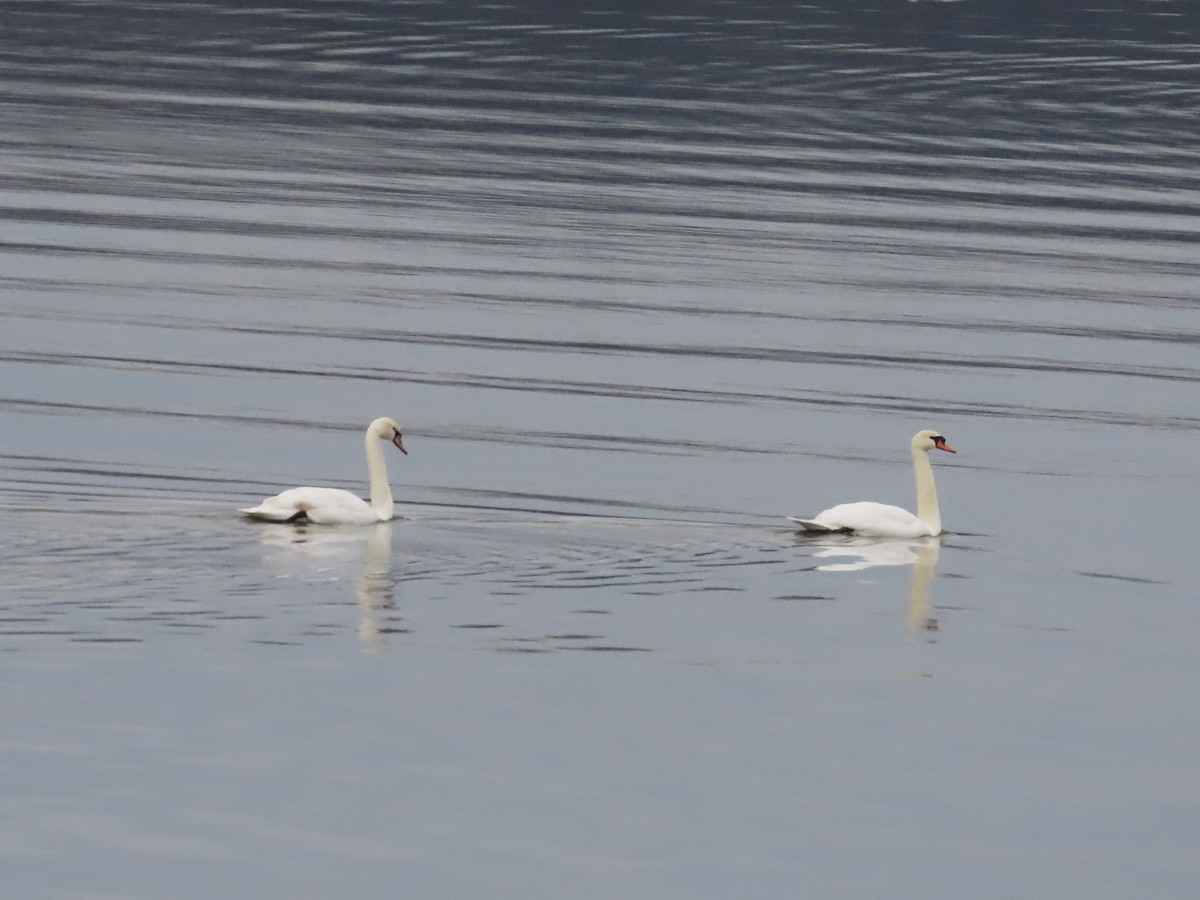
(638, 286)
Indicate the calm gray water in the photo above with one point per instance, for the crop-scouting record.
(638, 285)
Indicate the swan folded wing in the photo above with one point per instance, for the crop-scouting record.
(319, 505)
(869, 519)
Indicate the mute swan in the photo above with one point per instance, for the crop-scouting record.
(879, 519)
(332, 506)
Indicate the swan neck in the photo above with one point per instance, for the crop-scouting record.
(927, 501)
(381, 491)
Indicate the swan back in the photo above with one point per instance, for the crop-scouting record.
(870, 519)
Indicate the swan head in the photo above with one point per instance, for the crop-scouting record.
(930, 440)
(387, 430)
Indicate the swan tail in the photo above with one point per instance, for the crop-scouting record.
(814, 526)
(272, 513)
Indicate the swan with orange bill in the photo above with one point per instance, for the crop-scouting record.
(333, 506)
(881, 520)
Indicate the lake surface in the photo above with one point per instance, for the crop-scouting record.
(638, 286)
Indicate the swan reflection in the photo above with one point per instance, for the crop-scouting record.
(333, 550)
(375, 588)
(864, 553)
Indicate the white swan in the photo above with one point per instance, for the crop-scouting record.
(879, 519)
(332, 506)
